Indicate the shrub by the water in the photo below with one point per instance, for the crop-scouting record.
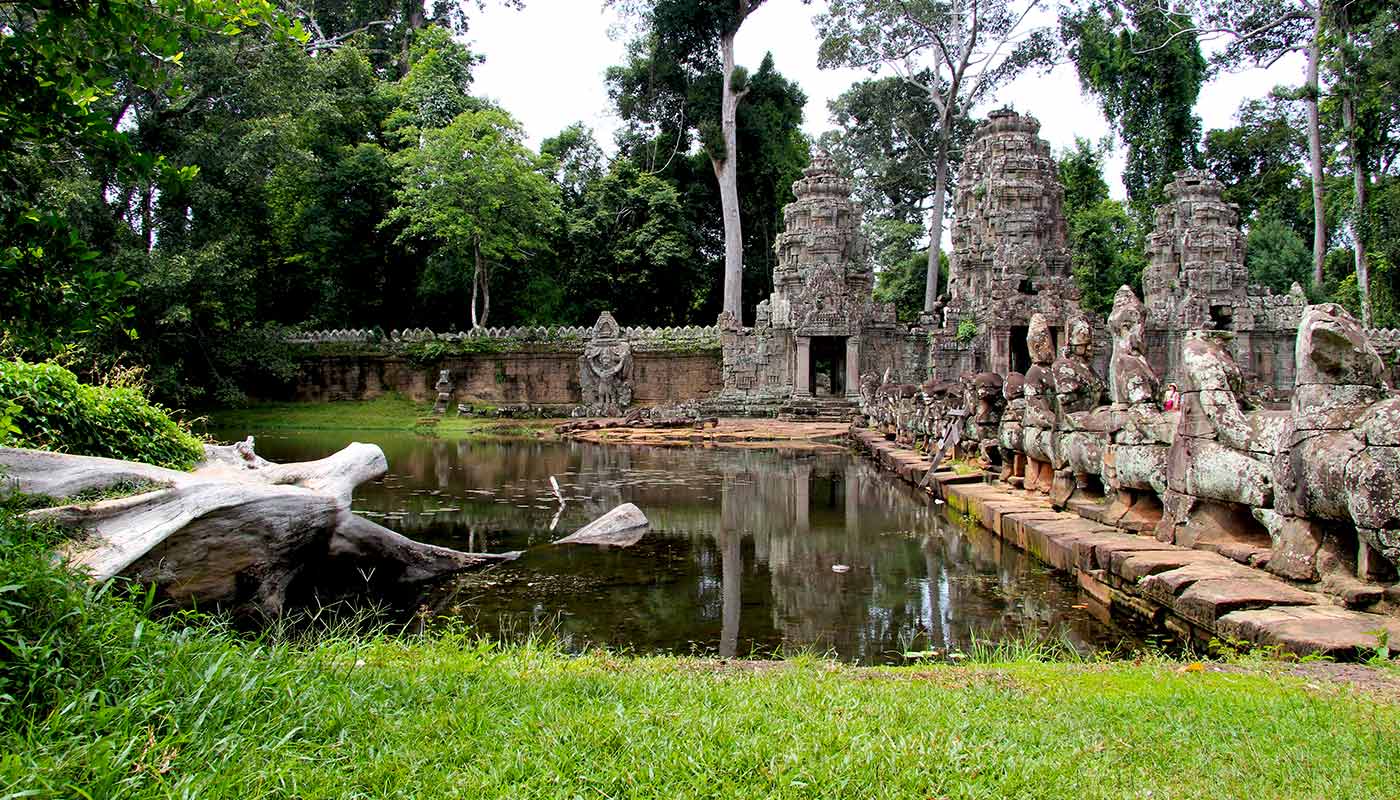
(48, 408)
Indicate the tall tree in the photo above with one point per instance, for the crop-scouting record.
(475, 189)
(1142, 62)
(1363, 61)
(698, 37)
(668, 109)
(886, 138)
(958, 52)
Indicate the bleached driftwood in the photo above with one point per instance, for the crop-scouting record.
(235, 532)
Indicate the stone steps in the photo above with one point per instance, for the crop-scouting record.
(825, 409)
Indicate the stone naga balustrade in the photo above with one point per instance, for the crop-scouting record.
(1311, 492)
(641, 337)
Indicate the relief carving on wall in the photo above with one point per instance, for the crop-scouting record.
(605, 370)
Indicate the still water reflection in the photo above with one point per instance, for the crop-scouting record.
(739, 559)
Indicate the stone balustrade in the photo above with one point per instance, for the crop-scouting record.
(1304, 492)
(642, 337)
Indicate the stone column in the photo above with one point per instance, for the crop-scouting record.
(802, 386)
(802, 499)
(853, 368)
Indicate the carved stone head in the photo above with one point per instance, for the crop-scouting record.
(1014, 387)
(1332, 348)
(1081, 337)
(1039, 341)
(1127, 320)
(1208, 364)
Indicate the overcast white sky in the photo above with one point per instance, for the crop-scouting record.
(545, 65)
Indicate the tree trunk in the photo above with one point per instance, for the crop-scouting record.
(727, 174)
(476, 286)
(235, 532)
(1360, 181)
(485, 292)
(1310, 92)
(940, 193)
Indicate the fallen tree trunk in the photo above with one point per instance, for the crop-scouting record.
(235, 532)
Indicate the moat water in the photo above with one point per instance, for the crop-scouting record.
(750, 553)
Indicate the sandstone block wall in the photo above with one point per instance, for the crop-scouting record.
(537, 378)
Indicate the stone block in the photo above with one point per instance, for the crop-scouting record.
(1311, 629)
(1205, 601)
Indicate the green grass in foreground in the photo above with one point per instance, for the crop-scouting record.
(98, 701)
(389, 413)
(454, 717)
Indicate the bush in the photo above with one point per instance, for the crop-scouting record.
(49, 409)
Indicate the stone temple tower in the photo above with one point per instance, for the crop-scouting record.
(1196, 279)
(822, 283)
(1009, 257)
(821, 328)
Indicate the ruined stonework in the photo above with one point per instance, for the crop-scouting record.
(1196, 280)
(821, 327)
(1308, 493)
(1009, 258)
(605, 370)
(444, 392)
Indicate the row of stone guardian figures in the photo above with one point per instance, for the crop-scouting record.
(1311, 492)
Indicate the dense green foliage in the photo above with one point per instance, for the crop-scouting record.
(1105, 242)
(1260, 161)
(667, 107)
(1277, 256)
(68, 71)
(49, 409)
(1143, 64)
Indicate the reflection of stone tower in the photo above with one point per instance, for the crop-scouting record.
(1009, 257)
(1196, 279)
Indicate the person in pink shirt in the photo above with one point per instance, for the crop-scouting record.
(1172, 400)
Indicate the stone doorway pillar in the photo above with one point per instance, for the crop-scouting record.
(802, 385)
(853, 368)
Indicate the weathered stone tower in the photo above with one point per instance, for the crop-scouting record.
(821, 328)
(1009, 257)
(1196, 279)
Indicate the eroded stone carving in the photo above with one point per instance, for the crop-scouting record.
(444, 392)
(1038, 424)
(1339, 453)
(1135, 460)
(605, 369)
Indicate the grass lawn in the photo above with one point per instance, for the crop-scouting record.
(388, 413)
(449, 716)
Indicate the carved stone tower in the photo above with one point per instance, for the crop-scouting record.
(812, 336)
(822, 283)
(1196, 280)
(1009, 258)
(1196, 276)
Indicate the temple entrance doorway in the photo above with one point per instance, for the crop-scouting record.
(1020, 351)
(829, 366)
